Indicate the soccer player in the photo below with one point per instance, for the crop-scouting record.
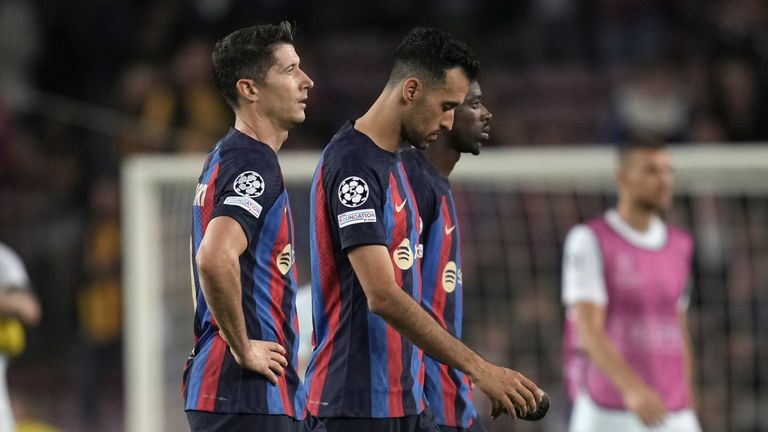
(242, 373)
(447, 389)
(365, 372)
(17, 306)
(627, 349)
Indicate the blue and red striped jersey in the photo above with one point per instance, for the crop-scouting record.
(361, 366)
(447, 389)
(241, 179)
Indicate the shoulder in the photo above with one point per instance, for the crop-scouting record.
(7, 255)
(579, 238)
(12, 271)
(680, 235)
(351, 154)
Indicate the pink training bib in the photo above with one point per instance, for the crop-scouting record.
(644, 288)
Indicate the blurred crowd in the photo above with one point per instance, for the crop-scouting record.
(84, 85)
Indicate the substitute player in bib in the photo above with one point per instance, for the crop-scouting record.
(241, 375)
(365, 372)
(447, 389)
(627, 350)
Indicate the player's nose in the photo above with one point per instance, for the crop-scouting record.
(446, 120)
(486, 114)
(307, 81)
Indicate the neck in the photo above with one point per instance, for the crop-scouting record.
(382, 123)
(637, 217)
(442, 156)
(261, 129)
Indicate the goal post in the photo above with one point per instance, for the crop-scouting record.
(515, 206)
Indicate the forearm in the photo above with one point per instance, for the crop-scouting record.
(19, 303)
(223, 295)
(688, 359)
(410, 320)
(604, 354)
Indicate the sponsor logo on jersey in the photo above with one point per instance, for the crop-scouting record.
(399, 207)
(284, 259)
(246, 203)
(357, 216)
(403, 255)
(450, 277)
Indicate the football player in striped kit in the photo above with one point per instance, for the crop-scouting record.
(447, 389)
(241, 375)
(367, 370)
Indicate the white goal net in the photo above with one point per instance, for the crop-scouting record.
(515, 207)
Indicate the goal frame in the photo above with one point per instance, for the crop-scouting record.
(712, 168)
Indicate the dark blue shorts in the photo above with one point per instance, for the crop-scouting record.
(424, 422)
(201, 421)
(475, 427)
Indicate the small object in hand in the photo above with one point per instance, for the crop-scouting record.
(541, 409)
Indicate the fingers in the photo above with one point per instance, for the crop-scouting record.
(495, 408)
(278, 358)
(510, 407)
(276, 347)
(275, 366)
(653, 414)
(531, 398)
(532, 387)
(521, 403)
(268, 374)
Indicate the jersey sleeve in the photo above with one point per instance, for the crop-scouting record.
(12, 271)
(583, 279)
(356, 199)
(246, 188)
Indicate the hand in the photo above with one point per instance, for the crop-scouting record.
(646, 404)
(23, 306)
(263, 357)
(508, 390)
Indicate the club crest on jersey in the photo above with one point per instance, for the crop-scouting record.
(403, 255)
(450, 277)
(249, 184)
(284, 259)
(353, 191)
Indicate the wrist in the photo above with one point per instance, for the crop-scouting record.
(238, 346)
(631, 385)
(476, 368)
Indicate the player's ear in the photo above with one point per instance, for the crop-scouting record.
(247, 89)
(621, 175)
(412, 88)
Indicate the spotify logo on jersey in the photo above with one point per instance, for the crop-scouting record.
(284, 259)
(403, 255)
(450, 277)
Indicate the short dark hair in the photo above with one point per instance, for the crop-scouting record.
(247, 53)
(635, 143)
(429, 53)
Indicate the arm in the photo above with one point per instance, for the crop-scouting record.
(505, 387)
(21, 304)
(637, 395)
(218, 261)
(688, 356)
